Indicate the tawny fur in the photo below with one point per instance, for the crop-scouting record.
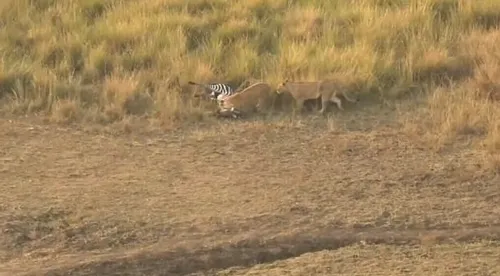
(328, 90)
(252, 98)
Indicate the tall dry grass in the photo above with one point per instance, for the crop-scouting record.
(103, 59)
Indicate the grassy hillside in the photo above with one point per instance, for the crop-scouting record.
(100, 60)
(408, 174)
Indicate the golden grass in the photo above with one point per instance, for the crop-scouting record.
(382, 43)
(106, 60)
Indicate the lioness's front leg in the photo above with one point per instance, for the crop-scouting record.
(299, 104)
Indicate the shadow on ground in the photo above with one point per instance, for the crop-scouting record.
(254, 251)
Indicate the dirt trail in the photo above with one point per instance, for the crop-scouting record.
(175, 203)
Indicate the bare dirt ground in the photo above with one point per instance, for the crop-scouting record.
(338, 196)
(458, 259)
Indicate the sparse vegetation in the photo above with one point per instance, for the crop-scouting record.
(432, 65)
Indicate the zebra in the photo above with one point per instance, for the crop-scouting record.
(219, 91)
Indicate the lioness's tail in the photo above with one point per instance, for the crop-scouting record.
(194, 83)
(349, 99)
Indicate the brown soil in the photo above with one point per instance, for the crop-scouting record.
(205, 200)
(472, 259)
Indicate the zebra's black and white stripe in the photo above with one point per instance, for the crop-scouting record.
(219, 91)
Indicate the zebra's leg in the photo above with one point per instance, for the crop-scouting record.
(225, 112)
(235, 113)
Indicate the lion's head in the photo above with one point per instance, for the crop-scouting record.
(282, 87)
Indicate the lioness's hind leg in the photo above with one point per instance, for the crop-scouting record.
(337, 100)
(324, 104)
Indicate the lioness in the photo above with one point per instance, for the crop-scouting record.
(252, 98)
(328, 90)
